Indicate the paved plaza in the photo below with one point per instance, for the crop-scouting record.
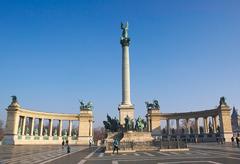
(211, 153)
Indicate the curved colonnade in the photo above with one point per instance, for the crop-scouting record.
(31, 127)
(219, 118)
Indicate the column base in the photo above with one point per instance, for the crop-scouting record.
(124, 111)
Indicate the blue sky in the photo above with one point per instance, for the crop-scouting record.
(184, 53)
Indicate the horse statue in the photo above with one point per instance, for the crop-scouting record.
(153, 105)
(140, 124)
(88, 106)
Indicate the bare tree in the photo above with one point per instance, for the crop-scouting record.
(99, 134)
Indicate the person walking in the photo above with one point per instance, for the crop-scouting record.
(237, 140)
(115, 145)
(68, 149)
(232, 139)
(63, 144)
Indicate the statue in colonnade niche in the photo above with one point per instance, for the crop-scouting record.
(74, 133)
(27, 131)
(64, 132)
(36, 132)
(88, 106)
(45, 132)
(55, 133)
(19, 131)
(153, 105)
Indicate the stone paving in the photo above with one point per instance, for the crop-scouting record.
(211, 153)
(33, 153)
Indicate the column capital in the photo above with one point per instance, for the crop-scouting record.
(125, 42)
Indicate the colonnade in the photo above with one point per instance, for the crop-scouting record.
(220, 122)
(25, 126)
(196, 127)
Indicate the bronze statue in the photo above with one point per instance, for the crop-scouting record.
(125, 30)
(14, 99)
(154, 105)
(222, 101)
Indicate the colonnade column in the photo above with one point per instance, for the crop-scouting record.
(214, 120)
(187, 124)
(50, 126)
(177, 122)
(32, 126)
(90, 127)
(196, 126)
(168, 127)
(41, 126)
(60, 128)
(24, 124)
(205, 121)
(70, 128)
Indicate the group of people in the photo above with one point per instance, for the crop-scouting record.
(237, 140)
(68, 146)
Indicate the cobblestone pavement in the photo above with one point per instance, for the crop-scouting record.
(33, 153)
(211, 153)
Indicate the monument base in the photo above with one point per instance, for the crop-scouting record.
(131, 142)
(124, 111)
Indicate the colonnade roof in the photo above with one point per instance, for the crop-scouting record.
(47, 115)
(189, 115)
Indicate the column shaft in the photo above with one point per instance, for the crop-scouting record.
(177, 123)
(125, 76)
(168, 127)
(60, 128)
(41, 127)
(32, 125)
(50, 127)
(215, 122)
(24, 125)
(196, 126)
(70, 128)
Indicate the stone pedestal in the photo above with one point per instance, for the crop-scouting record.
(85, 126)
(153, 121)
(131, 142)
(124, 111)
(225, 122)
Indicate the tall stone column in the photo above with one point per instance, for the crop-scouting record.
(177, 124)
(24, 125)
(205, 122)
(215, 124)
(188, 127)
(41, 127)
(32, 125)
(70, 128)
(196, 126)
(50, 126)
(60, 128)
(168, 127)
(126, 108)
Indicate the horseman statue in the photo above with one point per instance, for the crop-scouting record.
(140, 124)
(154, 105)
(88, 106)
